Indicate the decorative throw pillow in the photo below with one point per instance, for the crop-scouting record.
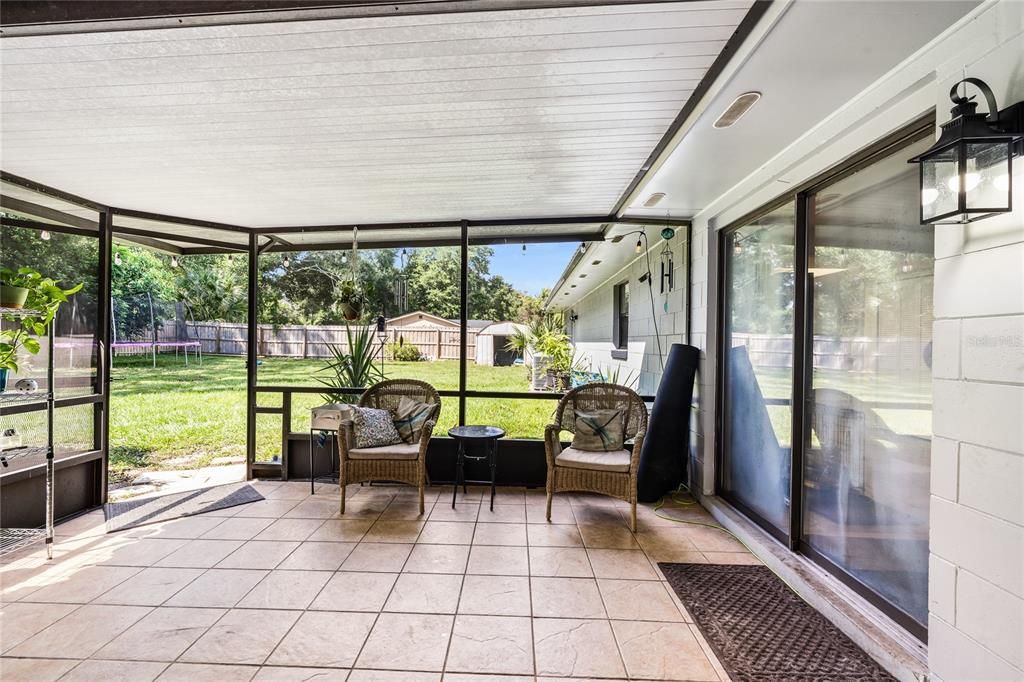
(374, 428)
(410, 417)
(598, 431)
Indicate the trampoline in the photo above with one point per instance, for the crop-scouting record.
(144, 325)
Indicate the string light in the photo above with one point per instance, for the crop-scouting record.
(639, 247)
(524, 248)
(174, 261)
(117, 259)
(287, 261)
(45, 235)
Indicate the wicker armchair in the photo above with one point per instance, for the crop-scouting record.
(403, 462)
(611, 473)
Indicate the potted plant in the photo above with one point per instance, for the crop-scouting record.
(556, 347)
(43, 297)
(351, 299)
(351, 367)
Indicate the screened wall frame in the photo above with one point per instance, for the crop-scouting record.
(802, 198)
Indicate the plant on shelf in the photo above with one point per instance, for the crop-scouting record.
(42, 296)
(352, 367)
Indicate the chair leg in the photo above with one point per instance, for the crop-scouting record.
(421, 497)
(632, 516)
(551, 492)
(341, 484)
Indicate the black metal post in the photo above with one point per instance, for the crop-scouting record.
(463, 317)
(250, 357)
(101, 410)
(802, 364)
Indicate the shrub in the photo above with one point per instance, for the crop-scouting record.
(407, 352)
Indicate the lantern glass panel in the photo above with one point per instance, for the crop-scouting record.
(940, 183)
(987, 178)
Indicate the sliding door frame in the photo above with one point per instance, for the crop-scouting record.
(802, 198)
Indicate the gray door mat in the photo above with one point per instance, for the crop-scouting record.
(142, 511)
(762, 631)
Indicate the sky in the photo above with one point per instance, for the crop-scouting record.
(540, 267)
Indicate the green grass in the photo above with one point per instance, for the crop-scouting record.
(175, 416)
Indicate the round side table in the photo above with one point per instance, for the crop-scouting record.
(488, 435)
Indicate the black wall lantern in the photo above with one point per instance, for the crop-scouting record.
(967, 174)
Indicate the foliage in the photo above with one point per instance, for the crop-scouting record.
(353, 368)
(405, 352)
(614, 375)
(211, 291)
(556, 346)
(45, 296)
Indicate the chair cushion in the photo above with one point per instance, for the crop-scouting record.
(374, 428)
(394, 451)
(410, 417)
(598, 431)
(617, 460)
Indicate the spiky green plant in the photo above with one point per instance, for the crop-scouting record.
(355, 367)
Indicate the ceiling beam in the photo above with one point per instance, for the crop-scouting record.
(178, 220)
(39, 187)
(226, 246)
(46, 213)
(156, 244)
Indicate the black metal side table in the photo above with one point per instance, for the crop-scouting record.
(489, 436)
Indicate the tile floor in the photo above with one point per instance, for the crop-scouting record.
(286, 589)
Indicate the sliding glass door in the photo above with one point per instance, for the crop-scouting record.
(827, 310)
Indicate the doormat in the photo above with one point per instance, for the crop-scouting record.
(142, 511)
(762, 631)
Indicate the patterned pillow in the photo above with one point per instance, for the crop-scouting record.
(598, 431)
(410, 417)
(374, 428)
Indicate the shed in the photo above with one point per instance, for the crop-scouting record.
(491, 341)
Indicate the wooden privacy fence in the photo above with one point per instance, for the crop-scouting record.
(313, 341)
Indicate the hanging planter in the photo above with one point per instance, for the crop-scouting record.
(351, 297)
(12, 296)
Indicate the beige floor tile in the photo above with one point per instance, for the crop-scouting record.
(341, 530)
(394, 531)
(425, 593)
(204, 672)
(316, 508)
(559, 514)
(447, 533)
(377, 557)
(162, 635)
(742, 558)
(504, 534)
(294, 530)
(674, 555)
(599, 516)
(81, 633)
(150, 587)
(218, 588)
(19, 621)
(639, 600)
(566, 598)
(491, 560)
(505, 495)
(495, 595)
(437, 559)
(318, 556)
(200, 554)
(576, 648)
(238, 529)
(608, 537)
(561, 562)
(91, 524)
(623, 564)
(34, 669)
(662, 651)
(665, 539)
(325, 639)
(82, 585)
(464, 511)
(491, 644)
(392, 676)
(352, 591)
(242, 636)
(403, 641)
(502, 513)
(285, 590)
(259, 554)
(187, 528)
(553, 536)
(712, 539)
(406, 511)
(271, 673)
(471, 677)
(271, 509)
(115, 671)
(125, 551)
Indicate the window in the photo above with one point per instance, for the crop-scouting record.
(621, 315)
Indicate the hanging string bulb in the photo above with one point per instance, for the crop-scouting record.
(117, 258)
(524, 248)
(287, 261)
(45, 235)
(639, 246)
(174, 261)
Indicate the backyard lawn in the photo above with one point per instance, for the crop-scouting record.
(186, 417)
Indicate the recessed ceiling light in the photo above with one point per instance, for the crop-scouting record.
(583, 275)
(654, 199)
(617, 239)
(735, 111)
(572, 286)
(597, 262)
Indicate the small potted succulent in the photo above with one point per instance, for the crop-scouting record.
(42, 296)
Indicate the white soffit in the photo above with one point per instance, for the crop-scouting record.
(816, 58)
(481, 115)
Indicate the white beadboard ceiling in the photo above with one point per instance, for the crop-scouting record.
(509, 114)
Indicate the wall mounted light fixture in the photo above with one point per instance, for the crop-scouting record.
(967, 174)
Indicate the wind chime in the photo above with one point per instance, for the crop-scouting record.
(401, 286)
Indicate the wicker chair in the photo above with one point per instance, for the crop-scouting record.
(611, 473)
(403, 462)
